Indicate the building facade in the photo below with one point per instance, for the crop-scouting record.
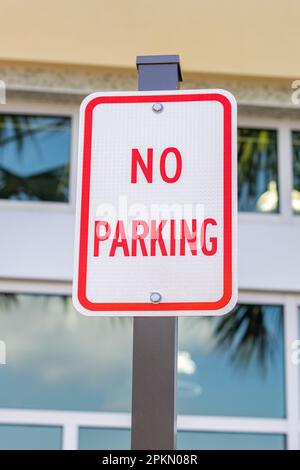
(65, 380)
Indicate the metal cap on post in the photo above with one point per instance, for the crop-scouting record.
(158, 72)
(155, 339)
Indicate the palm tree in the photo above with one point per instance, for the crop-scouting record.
(257, 165)
(246, 332)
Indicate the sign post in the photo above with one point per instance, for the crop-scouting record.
(154, 419)
(156, 221)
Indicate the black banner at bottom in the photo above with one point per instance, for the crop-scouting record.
(135, 459)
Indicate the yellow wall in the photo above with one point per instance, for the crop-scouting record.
(244, 37)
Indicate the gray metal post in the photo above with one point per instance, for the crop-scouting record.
(154, 417)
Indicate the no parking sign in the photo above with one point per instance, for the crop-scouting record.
(156, 206)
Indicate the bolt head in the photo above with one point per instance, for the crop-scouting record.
(155, 297)
(157, 107)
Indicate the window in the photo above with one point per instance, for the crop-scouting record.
(223, 361)
(30, 437)
(296, 165)
(101, 439)
(88, 369)
(229, 441)
(229, 368)
(257, 170)
(34, 157)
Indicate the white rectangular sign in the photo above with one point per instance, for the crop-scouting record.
(156, 204)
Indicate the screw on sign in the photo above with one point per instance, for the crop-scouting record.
(157, 107)
(156, 208)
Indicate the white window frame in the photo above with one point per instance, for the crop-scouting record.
(284, 127)
(47, 108)
(71, 422)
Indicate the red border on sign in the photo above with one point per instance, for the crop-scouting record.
(227, 206)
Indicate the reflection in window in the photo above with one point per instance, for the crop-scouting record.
(102, 439)
(232, 365)
(257, 170)
(59, 359)
(16, 437)
(34, 157)
(229, 441)
(296, 166)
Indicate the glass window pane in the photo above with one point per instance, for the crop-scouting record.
(257, 170)
(102, 439)
(59, 359)
(296, 167)
(232, 365)
(229, 441)
(14, 437)
(34, 157)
